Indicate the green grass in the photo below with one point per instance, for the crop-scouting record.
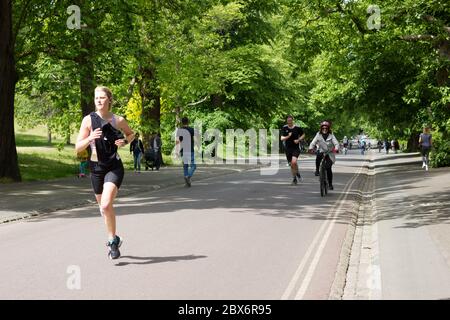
(35, 165)
(39, 160)
(30, 140)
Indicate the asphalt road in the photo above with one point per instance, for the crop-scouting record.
(239, 236)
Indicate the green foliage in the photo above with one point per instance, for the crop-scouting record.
(388, 81)
(241, 64)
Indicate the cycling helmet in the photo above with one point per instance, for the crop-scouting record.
(325, 124)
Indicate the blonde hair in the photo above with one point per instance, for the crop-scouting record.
(108, 94)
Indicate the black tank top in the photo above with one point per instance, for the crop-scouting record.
(105, 145)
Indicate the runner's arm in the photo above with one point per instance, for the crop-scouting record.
(300, 138)
(85, 136)
(286, 137)
(129, 134)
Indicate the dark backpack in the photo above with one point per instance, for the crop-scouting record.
(105, 145)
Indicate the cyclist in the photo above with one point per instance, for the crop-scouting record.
(292, 135)
(325, 136)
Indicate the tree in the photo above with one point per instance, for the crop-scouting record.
(9, 170)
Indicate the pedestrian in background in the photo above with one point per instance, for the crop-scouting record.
(425, 143)
(137, 148)
(387, 145)
(83, 157)
(156, 144)
(186, 137)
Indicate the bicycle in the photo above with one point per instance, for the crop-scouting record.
(323, 178)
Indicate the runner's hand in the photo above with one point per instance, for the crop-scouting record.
(96, 134)
(120, 142)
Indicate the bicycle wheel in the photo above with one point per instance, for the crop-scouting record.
(322, 180)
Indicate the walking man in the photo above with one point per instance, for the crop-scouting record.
(186, 137)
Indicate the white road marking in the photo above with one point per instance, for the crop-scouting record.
(312, 267)
(298, 272)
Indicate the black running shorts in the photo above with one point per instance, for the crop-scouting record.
(425, 151)
(100, 174)
(292, 153)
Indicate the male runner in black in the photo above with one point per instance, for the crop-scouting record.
(292, 135)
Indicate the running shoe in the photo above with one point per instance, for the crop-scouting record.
(114, 246)
(294, 181)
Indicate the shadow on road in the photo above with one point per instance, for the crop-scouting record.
(417, 197)
(265, 196)
(151, 260)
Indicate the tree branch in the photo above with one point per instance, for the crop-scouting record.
(418, 37)
(130, 91)
(23, 15)
(355, 20)
(429, 18)
(51, 51)
(447, 29)
(198, 102)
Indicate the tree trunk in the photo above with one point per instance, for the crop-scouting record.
(151, 103)
(86, 67)
(9, 166)
(217, 100)
(413, 142)
(49, 135)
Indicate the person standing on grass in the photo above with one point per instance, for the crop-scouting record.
(137, 149)
(83, 157)
(101, 132)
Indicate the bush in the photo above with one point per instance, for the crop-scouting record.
(440, 154)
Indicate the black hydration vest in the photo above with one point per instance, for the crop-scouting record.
(105, 145)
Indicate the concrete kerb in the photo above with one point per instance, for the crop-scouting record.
(351, 238)
(229, 169)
